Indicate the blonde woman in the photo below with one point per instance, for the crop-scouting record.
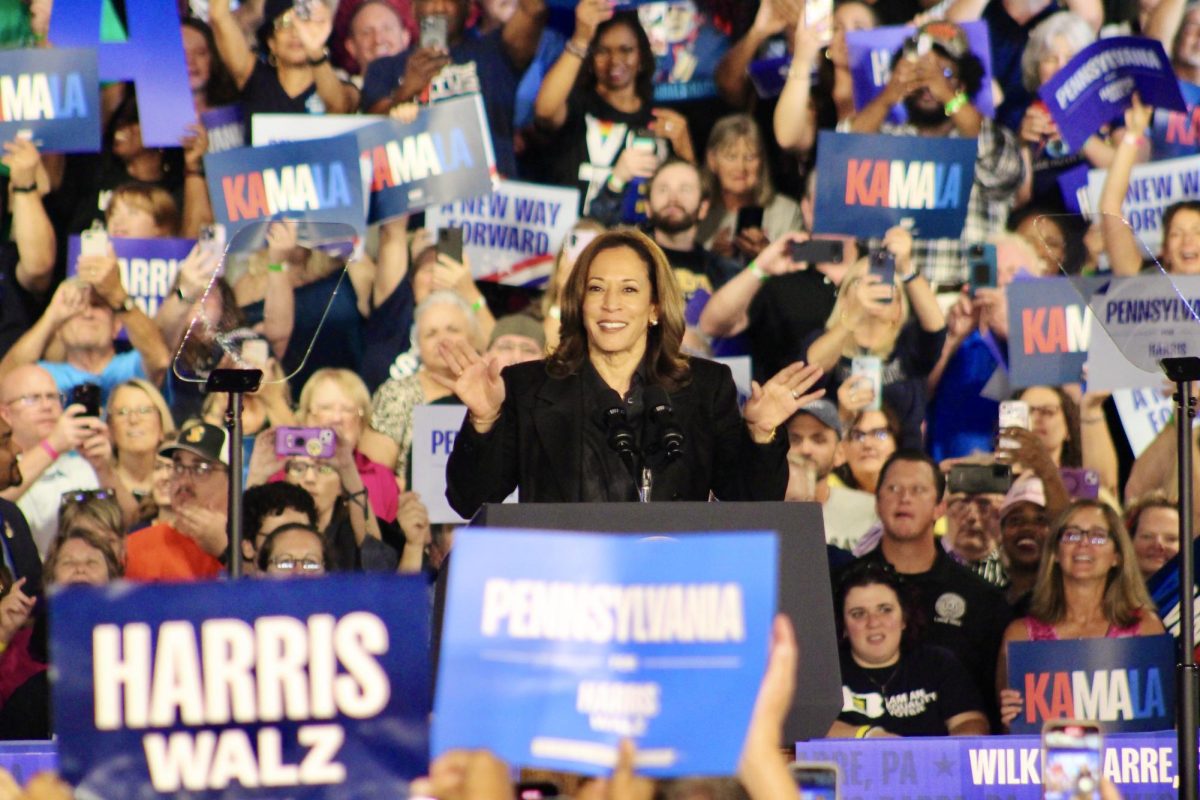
(899, 323)
(139, 421)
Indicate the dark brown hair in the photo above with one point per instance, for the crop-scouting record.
(665, 365)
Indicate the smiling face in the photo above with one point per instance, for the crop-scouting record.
(618, 304)
(291, 549)
(1085, 560)
(1181, 248)
(874, 623)
(375, 32)
(1157, 538)
(1022, 531)
(615, 58)
(135, 424)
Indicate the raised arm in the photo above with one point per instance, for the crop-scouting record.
(231, 42)
(550, 107)
(197, 208)
(727, 312)
(338, 96)
(1125, 255)
(795, 122)
(70, 298)
(105, 278)
(732, 75)
(31, 227)
(279, 301)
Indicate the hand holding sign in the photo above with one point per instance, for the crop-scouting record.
(478, 384)
(195, 145)
(465, 775)
(1011, 705)
(1137, 117)
(23, 160)
(281, 241)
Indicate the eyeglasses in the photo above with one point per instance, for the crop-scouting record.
(1096, 537)
(291, 563)
(198, 471)
(878, 434)
(30, 400)
(917, 492)
(298, 469)
(84, 495)
(133, 411)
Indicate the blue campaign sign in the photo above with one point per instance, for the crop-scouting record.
(1164, 591)
(281, 688)
(1125, 684)
(444, 154)
(1142, 765)
(871, 52)
(1173, 133)
(557, 646)
(225, 128)
(768, 75)
(1049, 329)
(148, 267)
(54, 95)
(151, 57)
(867, 184)
(1097, 85)
(318, 180)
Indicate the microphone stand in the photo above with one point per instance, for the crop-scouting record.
(236, 383)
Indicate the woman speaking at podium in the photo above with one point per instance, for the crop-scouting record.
(617, 412)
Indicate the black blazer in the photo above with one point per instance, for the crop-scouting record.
(537, 445)
(22, 552)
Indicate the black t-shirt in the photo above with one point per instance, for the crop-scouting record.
(19, 308)
(264, 94)
(784, 312)
(913, 697)
(386, 334)
(963, 613)
(583, 151)
(698, 269)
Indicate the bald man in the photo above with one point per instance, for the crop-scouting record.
(61, 450)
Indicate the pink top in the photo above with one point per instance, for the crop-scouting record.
(1044, 632)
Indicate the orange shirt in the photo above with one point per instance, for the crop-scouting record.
(161, 553)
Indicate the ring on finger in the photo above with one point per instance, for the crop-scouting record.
(795, 395)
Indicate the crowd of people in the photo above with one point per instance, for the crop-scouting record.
(885, 392)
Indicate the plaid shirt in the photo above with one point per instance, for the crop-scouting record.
(998, 172)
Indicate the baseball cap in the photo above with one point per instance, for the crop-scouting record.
(946, 36)
(826, 412)
(519, 325)
(1026, 489)
(207, 441)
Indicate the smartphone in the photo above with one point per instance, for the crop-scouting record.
(981, 266)
(255, 352)
(212, 238)
(450, 242)
(88, 396)
(312, 442)
(435, 32)
(749, 217)
(644, 139)
(871, 368)
(577, 241)
(815, 780)
(536, 790)
(1082, 484)
(1071, 763)
(1013, 414)
(816, 12)
(816, 251)
(93, 242)
(883, 264)
(979, 479)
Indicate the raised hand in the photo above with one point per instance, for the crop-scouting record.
(477, 383)
(771, 404)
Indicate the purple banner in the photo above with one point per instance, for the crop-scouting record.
(148, 267)
(225, 128)
(1097, 85)
(871, 54)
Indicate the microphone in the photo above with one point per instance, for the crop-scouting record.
(620, 435)
(670, 436)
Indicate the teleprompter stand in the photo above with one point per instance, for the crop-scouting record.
(235, 383)
(1183, 372)
(804, 592)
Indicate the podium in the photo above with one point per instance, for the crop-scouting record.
(804, 592)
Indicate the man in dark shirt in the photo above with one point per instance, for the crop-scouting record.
(490, 64)
(964, 613)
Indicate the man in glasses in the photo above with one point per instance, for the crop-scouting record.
(62, 450)
(193, 546)
(973, 518)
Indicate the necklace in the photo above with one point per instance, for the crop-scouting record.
(882, 687)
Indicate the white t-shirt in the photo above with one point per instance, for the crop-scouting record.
(71, 472)
(849, 513)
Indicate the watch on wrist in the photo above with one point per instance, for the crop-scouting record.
(323, 58)
(125, 307)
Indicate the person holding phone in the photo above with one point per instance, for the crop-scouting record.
(887, 309)
(893, 684)
(451, 60)
(736, 164)
(294, 75)
(596, 107)
(1088, 586)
